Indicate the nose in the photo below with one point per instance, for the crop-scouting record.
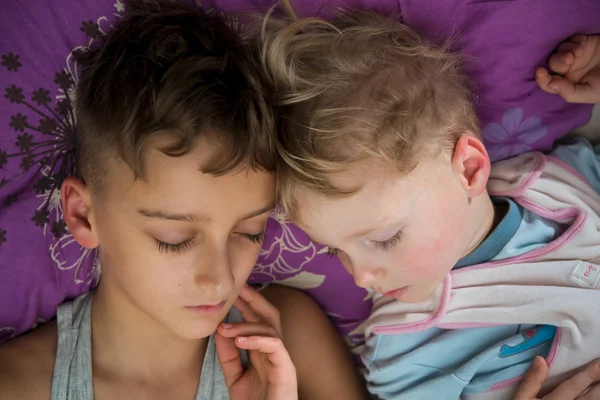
(366, 277)
(213, 275)
(363, 279)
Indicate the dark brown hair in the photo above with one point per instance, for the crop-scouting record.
(174, 72)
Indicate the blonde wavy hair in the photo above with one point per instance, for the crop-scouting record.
(362, 86)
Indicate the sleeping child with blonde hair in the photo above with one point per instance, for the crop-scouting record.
(477, 270)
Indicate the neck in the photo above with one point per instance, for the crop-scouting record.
(127, 342)
(485, 219)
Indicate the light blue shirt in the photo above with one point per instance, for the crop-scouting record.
(442, 364)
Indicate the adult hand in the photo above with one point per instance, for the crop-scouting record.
(580, 386)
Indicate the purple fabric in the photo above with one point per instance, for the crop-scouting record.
(504, 41)
(40, 263)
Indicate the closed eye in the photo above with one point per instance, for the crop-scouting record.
(332, 251)
(164, 247)
(389, 243)
(255, 238)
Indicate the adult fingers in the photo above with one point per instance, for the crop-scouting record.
(577, 384)
(592, 394)
(533, 380)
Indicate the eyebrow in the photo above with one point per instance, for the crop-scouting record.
(364, 232)
(196, 218)
(173, 217)
(259, 212)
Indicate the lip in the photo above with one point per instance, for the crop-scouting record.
(397, 293)
(207, 309)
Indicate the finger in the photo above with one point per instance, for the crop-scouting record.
(592, 394)
(261, 306)
(229, 358)
(562, 87)
(244, 308)
(272, 347)
(543, 79)
(247, 329)
(574, 386)
(570, 47)
(560, 63)
(533, 380)
(587, 91)
(278, 368)
(578, 39)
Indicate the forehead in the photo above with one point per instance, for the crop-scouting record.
(177, 184)
(383, 195)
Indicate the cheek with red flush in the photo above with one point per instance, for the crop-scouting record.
(425, 262)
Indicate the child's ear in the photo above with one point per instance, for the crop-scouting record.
(76, 202)
(471, 161)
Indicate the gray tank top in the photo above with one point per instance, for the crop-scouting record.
(72, 378)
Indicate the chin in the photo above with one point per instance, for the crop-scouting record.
(411, 299)
(415, 296)
(195, 331)
(196, 327)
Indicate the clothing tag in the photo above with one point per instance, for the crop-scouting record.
(586, 274)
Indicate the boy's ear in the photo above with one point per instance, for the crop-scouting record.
(76, 201)
(471, 161)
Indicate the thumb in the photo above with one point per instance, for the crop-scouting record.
(564, 88)
(229, 358)
(586, 91)
(533, 380)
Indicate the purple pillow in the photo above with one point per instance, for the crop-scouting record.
(504, 41)
(40, 263)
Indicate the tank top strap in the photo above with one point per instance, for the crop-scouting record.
(72, 378)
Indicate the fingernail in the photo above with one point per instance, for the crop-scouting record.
(598, 367)
(241, 338)
(227, 326)
(537, 362)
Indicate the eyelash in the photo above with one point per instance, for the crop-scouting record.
(173, 248)
(332, 251)
(390, 243)
(384, 245)
(257, 238)
(180, 247)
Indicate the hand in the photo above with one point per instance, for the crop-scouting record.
(575, 70)
(579, 386)
(271, 374)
